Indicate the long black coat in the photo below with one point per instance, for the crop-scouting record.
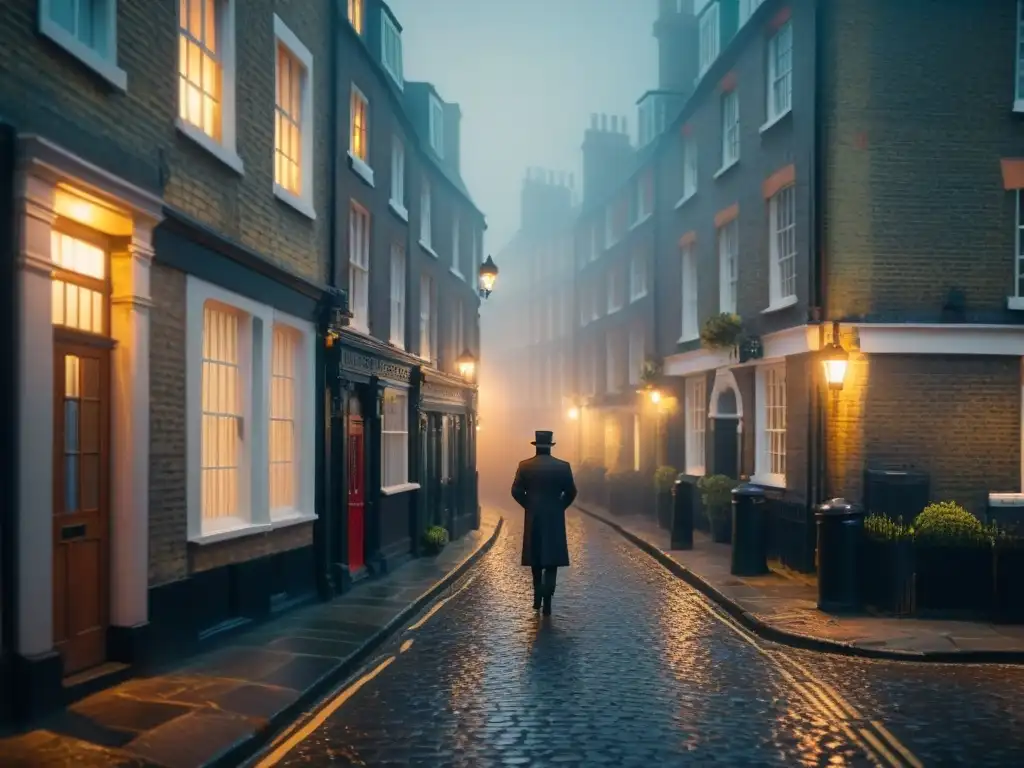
(544, 487)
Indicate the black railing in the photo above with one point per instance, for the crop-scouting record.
(793, 538)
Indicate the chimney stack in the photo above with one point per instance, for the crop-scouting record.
(677, 31)
(607, 152)
(545, 200)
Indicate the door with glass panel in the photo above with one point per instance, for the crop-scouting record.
(81, 451)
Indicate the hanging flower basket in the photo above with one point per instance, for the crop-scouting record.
(721, 331)
(650, 373)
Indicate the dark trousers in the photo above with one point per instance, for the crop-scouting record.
(544, 578)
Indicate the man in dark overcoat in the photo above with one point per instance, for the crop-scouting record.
(544, 487)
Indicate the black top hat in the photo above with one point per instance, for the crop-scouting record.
(543, 439)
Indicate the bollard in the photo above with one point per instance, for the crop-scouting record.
(749, 548)
(840, 528)
(682, 514)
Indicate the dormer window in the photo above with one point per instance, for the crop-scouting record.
(709, 38)
(391, 48)
(437, 126)
(652, 118)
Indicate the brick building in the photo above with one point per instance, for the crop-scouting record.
(180, 182)
(528, 377)
(794, 185)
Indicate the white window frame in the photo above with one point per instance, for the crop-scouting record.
(771, 400)
(1017, 298)
(428, 320)
(780, 74)
(728, 265)
(1018, 101)
(690, 177)
(730, 116)
(399, 265)
(615, 298)
(359, 263)
(689, 329)
(300, 373)
(456, 267)
(695, 398)
(636, 355)
(436, 125)
(637, 277)
(782, 248)
(747, 8)
(389, 34)
(427, 219)
(255, 340)
(394, 443)
(224, 150)
(360, 165)
(397, 200)
(102, 62)
(302, 202)
(710, 38)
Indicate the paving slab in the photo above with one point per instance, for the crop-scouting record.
(783, 606)
(219, 707)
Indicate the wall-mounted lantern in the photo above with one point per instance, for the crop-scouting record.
(488, 274)
(835, 360)
(573, 413)
(338, 315)
(466, 365)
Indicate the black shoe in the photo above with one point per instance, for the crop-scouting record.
(536, 601)
(547, 605)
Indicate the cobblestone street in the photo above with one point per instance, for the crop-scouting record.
(635, 669)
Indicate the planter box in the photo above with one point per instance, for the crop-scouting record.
(953, 577)
(886, 575)
(1008, 583)
(721, 529)
(663, 504)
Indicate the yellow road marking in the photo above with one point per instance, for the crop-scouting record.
(896, 744)
(426, 617)
(879, 747)
(405, 646)
(321, 717)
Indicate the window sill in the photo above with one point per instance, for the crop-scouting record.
(103, 67)
(288, 519)
(294, 201)
(781, 304)
(394, 490)
(636, 297)
(769, 480)
(399, 210)
(1015, 302)
(725, 168)
(613, 310)
(362, 330)
(429, 250)
(228, 528)
(457, 273)
(222, 153)
(362, 170)
(687, 338)
(640, 221)
(773, 121)
(695, 471)
(1018, 106)
(398, 344)
(685, 199)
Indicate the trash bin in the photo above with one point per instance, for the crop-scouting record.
(840, 527)
(749, 547)
(682, 514)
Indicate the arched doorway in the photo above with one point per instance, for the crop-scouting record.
(725, 410)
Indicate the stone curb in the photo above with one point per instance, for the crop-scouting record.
(244, 749)
(795, 639)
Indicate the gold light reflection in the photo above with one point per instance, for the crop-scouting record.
(81, 207)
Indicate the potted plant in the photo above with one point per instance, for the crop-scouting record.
(1008, 575)
(664, 479)
(716, 496)
(721, 331)
(434, 539)
(953, 554)
(650, 373)
(886, 569)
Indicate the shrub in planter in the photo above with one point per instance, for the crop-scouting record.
(716, 496)
(434, 539)
(721, 331)
(1008, 575)
(953, 554)
(664, 479)
(886, 569)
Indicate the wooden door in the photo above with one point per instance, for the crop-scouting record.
(81, 510)
(726, 456)
(356, 494)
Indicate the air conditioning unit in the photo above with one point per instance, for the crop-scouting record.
(895, 493)
(1006, 510)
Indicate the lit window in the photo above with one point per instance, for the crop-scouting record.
(293, 121)
(730, 128)
(728, 262)
(283, 459)
(359, 266)
(782, 245)
(709, 37)
(221, 415)
(771, 437)
(689, 168)
(359, 138)
(79, 283)
(398, 296)
(426, 228)
(427, 324)
(437, 126)
(637, 277)
(391, 48)
(780, 72)
(355, 15)
(689, 294)
(200, 68)
(87, 29)
(395, 439)
(696, 425)
(398, 174)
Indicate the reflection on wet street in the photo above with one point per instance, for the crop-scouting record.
(635, 669)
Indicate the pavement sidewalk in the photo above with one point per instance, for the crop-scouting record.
(782, 606)
(219, 707)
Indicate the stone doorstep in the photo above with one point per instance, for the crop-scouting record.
(216, 708)
(787, 602)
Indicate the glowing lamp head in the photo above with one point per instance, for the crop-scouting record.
(488, 275)
(573, 413)
(655, 396)
(835, 360)
(466, 365)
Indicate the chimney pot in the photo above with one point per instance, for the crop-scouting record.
(615, 124)
(604, 122)
(622, 123)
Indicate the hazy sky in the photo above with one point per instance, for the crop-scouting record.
(527, 74)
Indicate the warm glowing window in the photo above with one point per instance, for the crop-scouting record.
(200, 69)
(79, 283)
(395, 439)
(291, 76)
(359, 266)
(696, 424)
(221, 413)
(355, 15)
(283, 407)
(360, 126)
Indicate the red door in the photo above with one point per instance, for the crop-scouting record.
(356, 494)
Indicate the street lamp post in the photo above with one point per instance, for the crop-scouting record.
(488, 275)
